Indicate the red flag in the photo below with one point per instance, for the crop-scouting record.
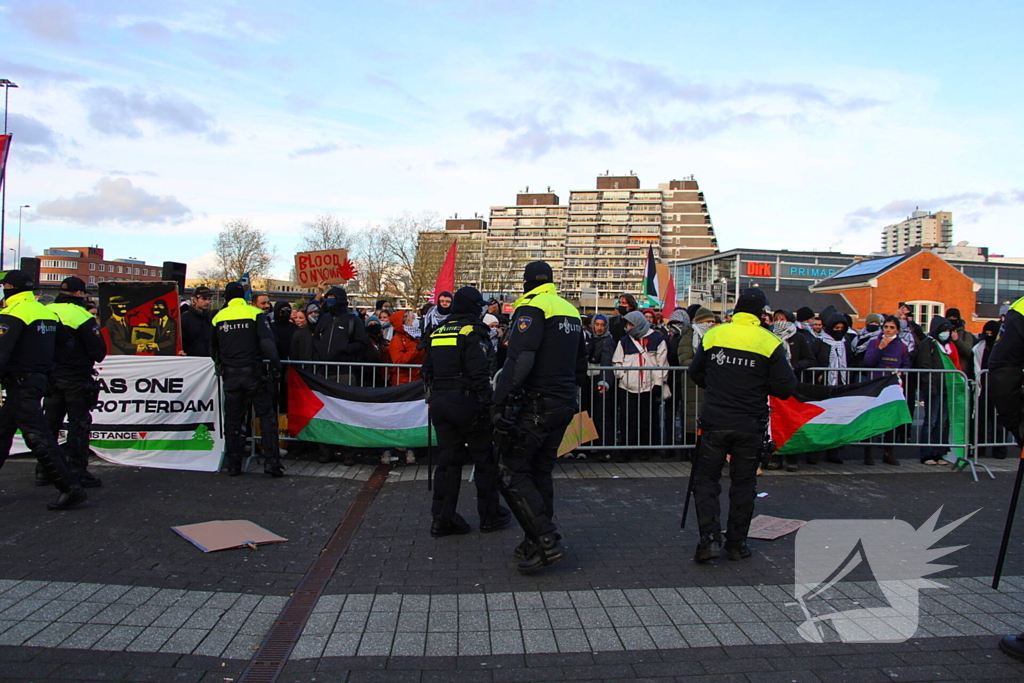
(446, 277)
(670, 299)
(5, 145)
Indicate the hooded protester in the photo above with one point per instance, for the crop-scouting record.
(963, 339)
(982, 354)
(438, 314)
(939, 344)
(872, 328)
(283, 328)
(835, 351)
(703, 320)
(644, 390)
(804, 318)
(617, 323)
(404, 350)
(598, 399)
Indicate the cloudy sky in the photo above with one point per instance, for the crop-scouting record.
(143, 126)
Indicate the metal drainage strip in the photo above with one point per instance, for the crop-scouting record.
(277, 646)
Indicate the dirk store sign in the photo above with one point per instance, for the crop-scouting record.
(158, 412)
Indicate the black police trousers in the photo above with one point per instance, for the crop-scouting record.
(463, 435)
(244, 387)
(714, 446)
(23, 410)
(73, 397)
(539, 430)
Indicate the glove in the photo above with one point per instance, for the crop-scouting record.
(500, 422)
(602, 386)
(275, 371)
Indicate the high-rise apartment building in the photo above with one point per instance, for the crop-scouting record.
(921, 229)
(598, 241)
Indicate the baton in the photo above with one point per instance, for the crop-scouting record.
(1009, 522)
(689, 483)
(430, 452)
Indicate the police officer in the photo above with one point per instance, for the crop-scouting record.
(457, 374)
(1006, 391)
(241, 342)
(196, 330)
(73, 388)
(738, 364)
(546, 362)
(30, 335)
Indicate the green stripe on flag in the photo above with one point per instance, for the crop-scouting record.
(154, 444)
(326, 431)
(956, 397)
(820, 437)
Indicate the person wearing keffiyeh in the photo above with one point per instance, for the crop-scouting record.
(835, 352)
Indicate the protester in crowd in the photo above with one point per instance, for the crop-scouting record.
(643, 390)
(437, 315)
(728, 315)
(387, 329)
(376, 352)
(805, 326)
(262, 302)
(72, 390)
(692, 394)
(680, 331)
(817, 327)
(932, 388)
(963, 339)
(617, 323)
(403, 349)
(301, 346)
(872, 328)
(196, 329)
(834, 351)
(800, 358)
(885, 350)
(598, 396)
(283, 328)
(382, 305)
(740, 364)
(703, 320)
(585, 321)
(299, 318)
(495, 330)
(910, 331)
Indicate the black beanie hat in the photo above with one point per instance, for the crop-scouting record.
(752, 300)
(803, 314)
(234, 290)
(537, 273)
(468, 300)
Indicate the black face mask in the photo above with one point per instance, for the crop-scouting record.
(623, 310)
(283, 315)
(988, 335)
(837, 333)
(872, 328)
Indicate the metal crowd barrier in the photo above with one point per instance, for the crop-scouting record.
(660, 422)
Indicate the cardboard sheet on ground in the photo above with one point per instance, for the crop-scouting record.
(225, 534)
(769, 528)
(581, 430)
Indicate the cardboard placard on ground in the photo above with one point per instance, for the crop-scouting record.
(224, 534)
(581, 430)
(314, 267)
(769, 528)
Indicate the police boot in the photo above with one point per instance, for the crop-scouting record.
(737, 551)
(546, 552)
(708, 548)
(68, 499)
(524, 549)
(449, 527)
(89, 481)
(499, 520)
(42, 478)
(1013, 646)
(234, 465)
(273, 467)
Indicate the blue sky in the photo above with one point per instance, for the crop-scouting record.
(143, 127)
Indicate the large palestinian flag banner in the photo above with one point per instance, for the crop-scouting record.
(324, 411)
(818, 418)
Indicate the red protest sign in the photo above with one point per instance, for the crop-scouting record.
(331, 266)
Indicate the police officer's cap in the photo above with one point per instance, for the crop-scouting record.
(234, 290)
(538, 271)
(752, 300)
(73, 284)
(468, 300)
(18, 279)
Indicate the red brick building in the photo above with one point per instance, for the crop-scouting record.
(89, 264)
(927, 283)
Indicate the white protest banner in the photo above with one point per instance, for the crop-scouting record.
(156, 411)
(330, 265)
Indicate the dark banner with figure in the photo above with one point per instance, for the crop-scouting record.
(140, 318)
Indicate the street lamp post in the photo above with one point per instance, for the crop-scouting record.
(20, 209)
(6, 84)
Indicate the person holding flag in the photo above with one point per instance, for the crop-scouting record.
(739, 364)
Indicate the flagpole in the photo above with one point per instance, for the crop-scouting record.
(1009, 522)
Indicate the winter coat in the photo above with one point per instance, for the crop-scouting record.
(692, 395)
(651, 350)
(800, 355)
(894, 356)
(929, 356)
(404, 350)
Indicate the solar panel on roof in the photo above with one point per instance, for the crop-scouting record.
(868, 267)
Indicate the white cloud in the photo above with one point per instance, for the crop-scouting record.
(115, 201)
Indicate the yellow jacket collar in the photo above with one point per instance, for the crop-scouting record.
(19, 298)
(238, 301)
(746, 319)
(546, 288)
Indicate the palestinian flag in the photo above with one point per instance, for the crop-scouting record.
(327, 412)
(821, 417)
(651, 279)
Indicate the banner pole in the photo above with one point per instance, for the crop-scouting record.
(1009, 522)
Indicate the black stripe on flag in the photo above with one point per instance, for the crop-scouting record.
(412, 391)
(817, 392)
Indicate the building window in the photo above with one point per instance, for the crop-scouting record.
(120, 270)
(92, 278)
(103, 267)
(92, 266)
(926, 273)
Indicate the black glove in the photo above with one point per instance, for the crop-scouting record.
(275, 371)
(500, 422)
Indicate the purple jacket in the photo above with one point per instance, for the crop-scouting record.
(895, 355)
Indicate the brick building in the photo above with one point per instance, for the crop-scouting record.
(923, 280)
(89, 264)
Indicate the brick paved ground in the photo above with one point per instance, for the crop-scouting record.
(110, 593)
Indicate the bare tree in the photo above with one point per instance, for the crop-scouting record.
(418, 251)
(239, 249)
(375, 263)
(327, 231)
